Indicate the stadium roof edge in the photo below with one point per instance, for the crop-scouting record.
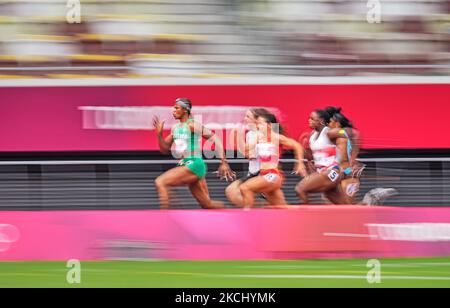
(272, 80)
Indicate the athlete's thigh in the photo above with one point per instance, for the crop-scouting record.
(337, 196)
(233, 192)
(276, 197)
(178, 176)
(317, 182)
(234, 186)
(260, 184)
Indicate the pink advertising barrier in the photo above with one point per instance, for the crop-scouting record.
(304, 232)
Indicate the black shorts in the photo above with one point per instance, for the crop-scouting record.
(248, 177)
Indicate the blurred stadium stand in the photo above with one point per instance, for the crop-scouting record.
(128, 185)
(203, 38)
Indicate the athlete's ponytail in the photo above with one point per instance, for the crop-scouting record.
(336, 114)
(333, 110)
(343, 120)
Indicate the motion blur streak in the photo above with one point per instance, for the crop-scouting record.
(305, 232)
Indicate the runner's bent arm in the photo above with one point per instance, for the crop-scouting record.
(289, 143)
(165, 144)
(224, 169)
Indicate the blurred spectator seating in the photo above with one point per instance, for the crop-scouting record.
(119, 38)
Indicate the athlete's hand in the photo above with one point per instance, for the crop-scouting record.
(225, 172)
(310, 167)
(357, 169)
(300, 169)
(158, 125)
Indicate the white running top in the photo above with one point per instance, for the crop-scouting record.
(324, 151)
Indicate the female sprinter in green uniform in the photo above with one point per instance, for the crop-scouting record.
(192, 169)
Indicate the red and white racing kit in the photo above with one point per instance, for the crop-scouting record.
(324, 151)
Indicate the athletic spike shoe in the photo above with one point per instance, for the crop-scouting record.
(378, 196)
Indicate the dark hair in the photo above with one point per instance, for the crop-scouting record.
(270, 118)
(259, 112)
(343, 120)
(186, 101)
(324, 115)
(336, 114)
(333, 110)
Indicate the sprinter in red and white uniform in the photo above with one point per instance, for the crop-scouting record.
(269, 141)
(324, 152)
(247, 147)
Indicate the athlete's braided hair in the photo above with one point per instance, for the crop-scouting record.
(324, 115)
(336, 114)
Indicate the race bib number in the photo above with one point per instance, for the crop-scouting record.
(271, 177)
(183, 163)
(180, 145)
(333, 175)
(352, 189)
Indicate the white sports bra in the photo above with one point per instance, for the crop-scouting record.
(324, 151)
(267, 153)
(254, 165)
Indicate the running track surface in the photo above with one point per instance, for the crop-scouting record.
(230, 274)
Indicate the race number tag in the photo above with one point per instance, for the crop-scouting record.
(180, 145)
(352, 189)
(333, 175)
(271, 177)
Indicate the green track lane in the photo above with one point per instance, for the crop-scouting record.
(229, 274)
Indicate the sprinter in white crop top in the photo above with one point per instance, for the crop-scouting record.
(246, 146)
(323, 152)
(268, 151)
